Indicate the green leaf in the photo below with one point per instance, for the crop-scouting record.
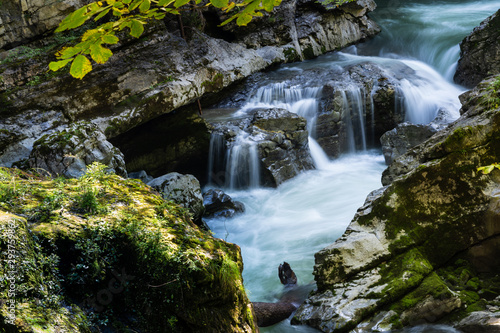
(136, 28)
(109, 39)
(144, 7)
(164, 3)
(270, 4)
(91, 34)
(80, 67)
(68, 52)
(135, 4)
(219, 3)
(244, 19)
(180, 3)
(100, 54)
(127, 1)
(73, 20)
(102, 14)
(56, 65)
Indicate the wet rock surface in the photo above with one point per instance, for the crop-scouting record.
(274, 142)
(396, 142)
(480, 53)
(219, 204)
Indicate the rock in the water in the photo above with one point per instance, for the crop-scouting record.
(268, 314)
(480, 53)
(272, 147)
(286, 274)
(399, 251)
(397, 141)
(480, 322)
(184, 190)
(284, 151)
(69, 151)
(219, 204)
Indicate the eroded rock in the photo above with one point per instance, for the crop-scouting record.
(397, 141)
(219, 204)
(480, 53)
(69, 151)
(184, 190)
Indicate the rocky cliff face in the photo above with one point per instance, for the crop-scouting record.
(480, 53)
(22, 21)
(397, 263)
(155, 75)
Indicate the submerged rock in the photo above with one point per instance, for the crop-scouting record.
(401, 250)
(480, 53)
(219, 204)
(184, 190)
(69, 151)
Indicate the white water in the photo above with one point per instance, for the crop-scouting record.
(296, 220)
(309, 212)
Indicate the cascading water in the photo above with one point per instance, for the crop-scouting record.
(309, 212)
(354, 109)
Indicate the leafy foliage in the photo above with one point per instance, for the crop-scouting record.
(132, 15)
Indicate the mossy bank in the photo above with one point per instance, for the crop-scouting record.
(105, 253)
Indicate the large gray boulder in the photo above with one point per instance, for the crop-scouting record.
(397, 141)
(69, 151)
(480, 53)
(184, 190)
(414, 246)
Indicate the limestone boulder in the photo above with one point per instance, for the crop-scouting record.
(184, 190)
(146, 77)
(397, 141)
(480, 53)
(69, 151)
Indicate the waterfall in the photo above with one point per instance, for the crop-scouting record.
(243, 164)
(216, 154)
(424, 96)
(354, 110)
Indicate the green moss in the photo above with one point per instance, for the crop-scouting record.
(403, 273)
(291, 54)
(177, 277)
(217, 83)
(308, 53)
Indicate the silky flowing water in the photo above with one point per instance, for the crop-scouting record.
(309, 212)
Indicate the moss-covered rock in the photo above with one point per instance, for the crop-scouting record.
(129, 259)
(399, 252)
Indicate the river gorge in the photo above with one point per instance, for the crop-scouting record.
(357, 165)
